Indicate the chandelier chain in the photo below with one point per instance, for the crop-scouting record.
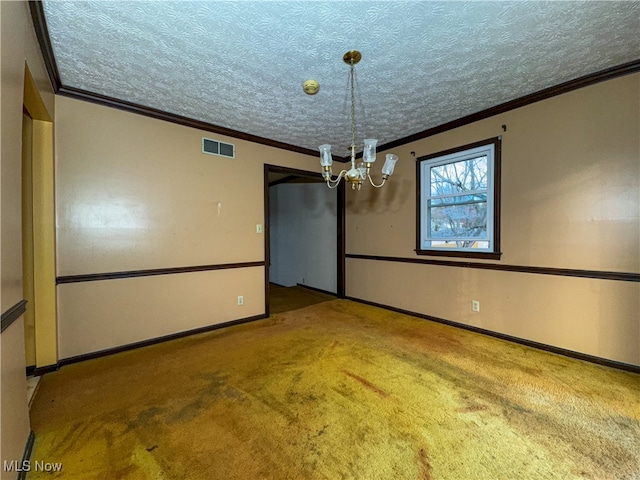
(353, 113)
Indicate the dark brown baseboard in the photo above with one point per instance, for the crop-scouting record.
(319, 290)
(26, 456)
(522, 341)
(33, 371)
(39, 371)
(154, 341)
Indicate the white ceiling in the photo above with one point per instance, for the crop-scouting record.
(241, 64)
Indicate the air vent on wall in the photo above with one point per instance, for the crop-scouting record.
(214, 147)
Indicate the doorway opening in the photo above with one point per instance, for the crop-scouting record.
(304, 239)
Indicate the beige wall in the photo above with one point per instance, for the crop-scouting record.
(17, 44)
(570, 199)
(105, 314)
(135, 193)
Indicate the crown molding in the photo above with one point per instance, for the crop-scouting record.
(566, 87)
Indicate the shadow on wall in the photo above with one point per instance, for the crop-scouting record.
(393, 197)
(318, 200)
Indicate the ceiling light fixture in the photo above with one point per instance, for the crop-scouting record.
(357, 174)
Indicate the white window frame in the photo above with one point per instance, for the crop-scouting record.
(492, 149)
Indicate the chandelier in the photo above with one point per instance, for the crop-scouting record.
(358, 173)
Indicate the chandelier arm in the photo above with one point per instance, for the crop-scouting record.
(334, 183)
(384, 179)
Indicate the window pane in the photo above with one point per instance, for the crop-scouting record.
(459, 177)
(457, 192)
(462, 221)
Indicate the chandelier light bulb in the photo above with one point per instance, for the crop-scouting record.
(369, 152)
(325, 155)
(389, 164)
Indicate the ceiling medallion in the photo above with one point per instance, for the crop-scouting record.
(358, 173)
(311, 87)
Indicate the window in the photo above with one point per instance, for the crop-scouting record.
(459, 201)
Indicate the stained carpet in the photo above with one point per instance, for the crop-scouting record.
(338, 390)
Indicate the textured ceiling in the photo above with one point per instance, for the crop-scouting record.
(241, 64)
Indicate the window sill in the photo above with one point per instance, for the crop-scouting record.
(466, 254)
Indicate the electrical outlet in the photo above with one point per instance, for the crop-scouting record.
(240, 300)
(475, 305)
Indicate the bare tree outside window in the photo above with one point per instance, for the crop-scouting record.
(457, 200)
(458, 204)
